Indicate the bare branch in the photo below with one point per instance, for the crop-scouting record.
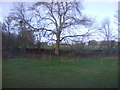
(74, 36)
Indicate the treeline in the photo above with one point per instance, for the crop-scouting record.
(16, 45)
(23, 43)
(52, 22)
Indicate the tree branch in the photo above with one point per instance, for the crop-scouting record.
(37, 29)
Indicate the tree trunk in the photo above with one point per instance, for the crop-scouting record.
(57, 43)
(57, 47)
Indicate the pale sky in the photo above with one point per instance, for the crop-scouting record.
(109, 1)
(94, 8)
(98, 9)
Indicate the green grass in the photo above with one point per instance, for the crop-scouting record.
(60, 72)
(74, 47)
(68, 47)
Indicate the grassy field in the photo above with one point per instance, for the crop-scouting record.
(67, 47)
(61, 72)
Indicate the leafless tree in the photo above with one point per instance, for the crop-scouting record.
(107, 32)
(92, 43)
(19, 17)
(7, 25)
(57, 18)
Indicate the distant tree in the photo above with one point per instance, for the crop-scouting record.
(57, 18)
(113, 43)
(7, 29)
(106, 32)
(93, 43)
(20, 17)
(25, 39)
(103, 43)
(39, 44)
(7, 25)
(9, 39)
(118, 44)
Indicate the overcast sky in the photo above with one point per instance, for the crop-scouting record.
(98, 9)
(94, 8)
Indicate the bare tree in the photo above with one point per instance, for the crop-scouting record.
(7, 33)
(20, 16)
(106, 31)
(7, 25)
(92, 43)
(58, 17)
